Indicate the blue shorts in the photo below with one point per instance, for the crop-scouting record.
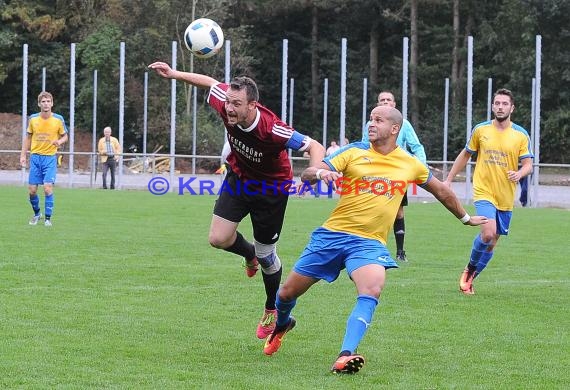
(487, 209)
(42, 169)
(328, 253)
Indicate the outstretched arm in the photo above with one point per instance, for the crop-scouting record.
(195, 79)
(447, 197)
(459, 163)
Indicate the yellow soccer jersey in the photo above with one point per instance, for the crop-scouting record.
(372, 188)
(44, 132)
(498, 151)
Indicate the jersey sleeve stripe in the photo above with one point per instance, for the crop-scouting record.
(218, 93)
(517, 127)
(423, 185)
(60, 118)
(282, 131)
(305, 143)
(332, 167)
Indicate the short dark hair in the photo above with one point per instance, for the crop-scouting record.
(388, 91)
(251, 91)
(506, 92)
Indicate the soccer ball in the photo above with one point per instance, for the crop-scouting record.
(204, 38)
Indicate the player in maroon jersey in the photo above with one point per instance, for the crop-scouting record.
(259, 180)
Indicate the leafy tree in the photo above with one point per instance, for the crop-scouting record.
(504, 51)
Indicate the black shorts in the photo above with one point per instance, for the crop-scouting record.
(266, 212)
(405, 199)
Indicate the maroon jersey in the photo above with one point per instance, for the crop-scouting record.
(259, 153)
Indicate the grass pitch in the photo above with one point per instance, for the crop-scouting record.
(125, 292)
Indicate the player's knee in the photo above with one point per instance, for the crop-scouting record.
(488, 238)
(286, 293)
(218, 241)
(267, 257)
(270, 264)
(372, 290)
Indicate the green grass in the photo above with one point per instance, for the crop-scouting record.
(125, 292)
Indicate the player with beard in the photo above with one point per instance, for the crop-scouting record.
(500, 146)
(258, 181)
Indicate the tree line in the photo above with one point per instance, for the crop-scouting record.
(503, 32)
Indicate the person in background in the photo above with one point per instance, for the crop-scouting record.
(332, 148)
(109, 151)
(45, 134)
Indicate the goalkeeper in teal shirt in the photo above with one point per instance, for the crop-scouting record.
(409, 141)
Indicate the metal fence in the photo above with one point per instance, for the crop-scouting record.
(137, 170)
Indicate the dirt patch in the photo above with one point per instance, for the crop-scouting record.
(10, 139)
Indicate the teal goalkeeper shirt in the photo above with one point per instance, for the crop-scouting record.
(407, 139)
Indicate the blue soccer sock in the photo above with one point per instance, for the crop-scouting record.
(479, 248)
(483, 261)
(358, 322)
(284, 309)
(49, 205)
(35, 202)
